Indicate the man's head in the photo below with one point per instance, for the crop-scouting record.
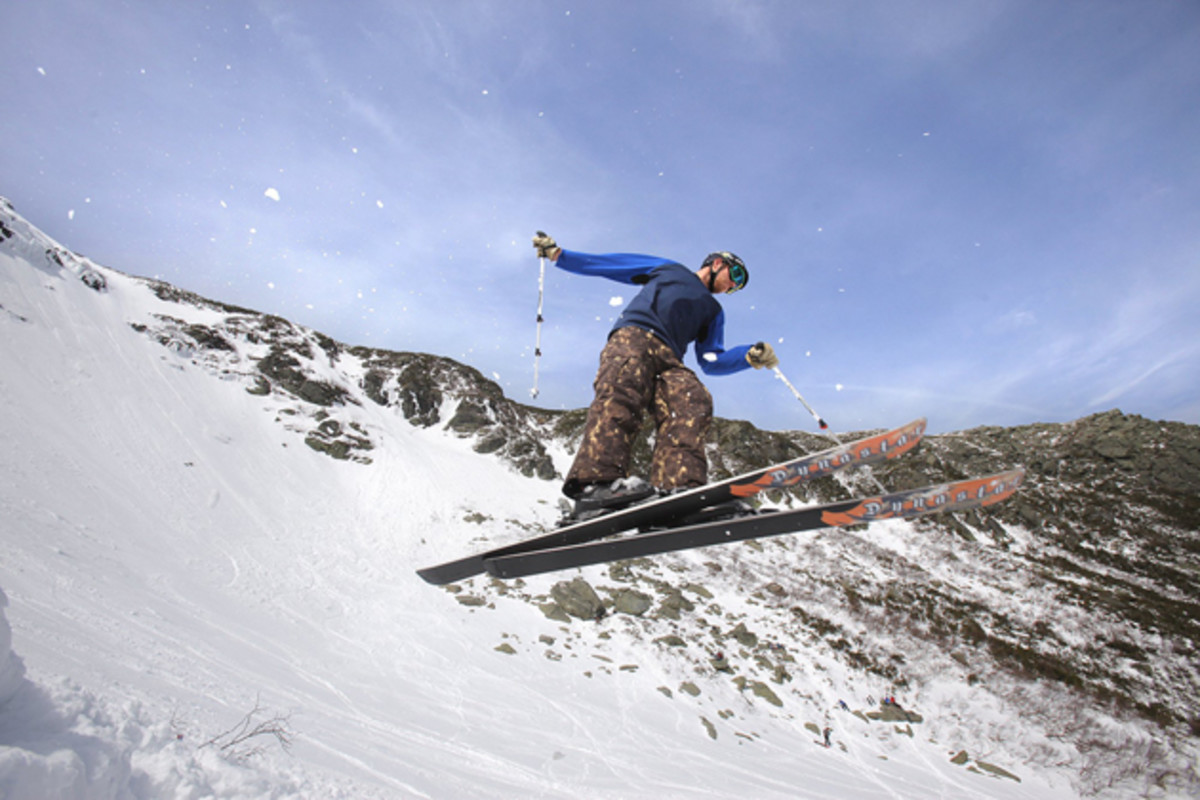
(724, 273)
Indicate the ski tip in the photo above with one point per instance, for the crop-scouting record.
(823, 424)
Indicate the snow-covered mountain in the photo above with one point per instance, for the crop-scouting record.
(211, 520)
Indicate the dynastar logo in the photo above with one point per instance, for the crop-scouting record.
(971, 493)
(877, 448)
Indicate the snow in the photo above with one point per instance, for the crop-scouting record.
(175, 559)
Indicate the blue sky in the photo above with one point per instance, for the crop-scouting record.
(983, 212)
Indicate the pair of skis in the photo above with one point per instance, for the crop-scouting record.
(577, 545)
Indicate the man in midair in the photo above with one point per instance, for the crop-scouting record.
(641, 369)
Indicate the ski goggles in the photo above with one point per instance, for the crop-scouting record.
(737, 272)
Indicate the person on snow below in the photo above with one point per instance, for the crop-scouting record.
(641, 368)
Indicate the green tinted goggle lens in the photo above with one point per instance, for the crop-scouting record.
(737, 273)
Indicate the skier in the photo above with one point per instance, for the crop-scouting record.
(641, 368)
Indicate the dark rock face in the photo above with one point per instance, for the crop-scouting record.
(275, 357)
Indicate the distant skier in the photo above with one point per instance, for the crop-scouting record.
(641, 368)
(828, 732)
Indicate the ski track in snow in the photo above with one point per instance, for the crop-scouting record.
(177, 556)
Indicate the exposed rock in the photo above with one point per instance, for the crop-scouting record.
(577, 598)
(720, 663)
(743, 636)
(673, 603)
(261, 387)
(633, 602)
(759, 689)
(554, 611)
(891, 712)
(999, 772)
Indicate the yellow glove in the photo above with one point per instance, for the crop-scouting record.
(546, 246)
(762, 355)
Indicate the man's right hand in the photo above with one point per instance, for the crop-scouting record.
(546, 246)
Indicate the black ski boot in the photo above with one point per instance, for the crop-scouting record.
(601, 498)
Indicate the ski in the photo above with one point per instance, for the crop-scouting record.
(906, 504)
(663, 510)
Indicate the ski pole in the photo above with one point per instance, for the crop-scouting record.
(537, 347)
(824, 425)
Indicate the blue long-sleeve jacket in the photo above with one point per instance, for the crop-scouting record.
(673, 304)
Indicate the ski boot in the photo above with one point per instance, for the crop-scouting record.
(597, 499)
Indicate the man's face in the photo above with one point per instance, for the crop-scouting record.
(723, 282)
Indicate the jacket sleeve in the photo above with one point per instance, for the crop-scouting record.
(711, 354)
(620, 267)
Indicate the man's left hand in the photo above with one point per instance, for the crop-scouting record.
(762, 355)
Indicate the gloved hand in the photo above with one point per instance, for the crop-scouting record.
(546, 246)
(762, 355)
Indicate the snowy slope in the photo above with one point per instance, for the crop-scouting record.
(175, 558)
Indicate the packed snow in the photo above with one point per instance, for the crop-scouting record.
(195, 604)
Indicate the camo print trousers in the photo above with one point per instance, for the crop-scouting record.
(639, 372)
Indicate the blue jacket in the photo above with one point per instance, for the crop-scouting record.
(673, 304)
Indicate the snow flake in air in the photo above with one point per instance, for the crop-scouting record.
(272, 193)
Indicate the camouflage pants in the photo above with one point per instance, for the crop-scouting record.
(639, 372)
